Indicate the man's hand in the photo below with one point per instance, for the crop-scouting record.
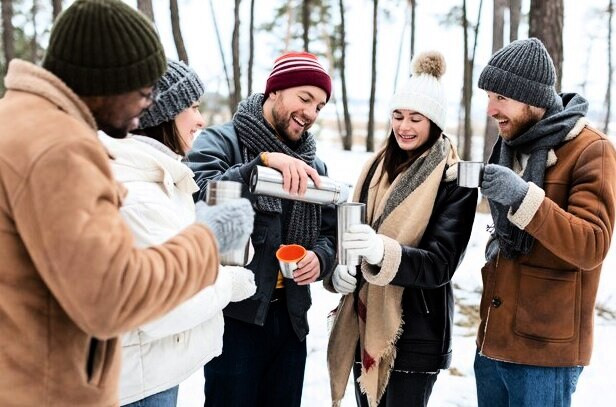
(500, 184)
(231, 222)
(295, 173)
(308, 269)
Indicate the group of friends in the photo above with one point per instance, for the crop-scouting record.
(111, 291)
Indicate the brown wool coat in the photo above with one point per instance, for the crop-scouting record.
(538, 309)
(70, 278)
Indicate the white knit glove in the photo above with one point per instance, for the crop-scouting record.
(242, 282)
(362, 240)
(343, 279)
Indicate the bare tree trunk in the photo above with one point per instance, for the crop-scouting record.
(546, 23)
(289, 34)
(412, 4)
(515, 12)
(347, 141)
(177, 32)
(145, 6)
(465, 78)
(306, 24)
(251, 47)
(468, 82)
(370, 132)
(56, 7)
(608, 91)
(235, 49)
(498, 32)
(34, 41)
(8, 40)
(220, 48)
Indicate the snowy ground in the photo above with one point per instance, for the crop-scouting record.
(455, 387)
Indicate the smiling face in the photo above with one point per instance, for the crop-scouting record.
(410, 128)
(293, 111)
(513, 118)
(188, 124)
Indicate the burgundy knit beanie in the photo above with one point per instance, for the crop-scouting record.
(298, 69)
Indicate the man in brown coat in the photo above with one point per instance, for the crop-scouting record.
(551, 185)
(71, 279)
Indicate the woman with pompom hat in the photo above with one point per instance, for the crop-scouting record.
(394, 322)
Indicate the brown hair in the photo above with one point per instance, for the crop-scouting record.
(397, 160)
(166, 133)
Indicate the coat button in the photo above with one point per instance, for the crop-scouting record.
(496, 302)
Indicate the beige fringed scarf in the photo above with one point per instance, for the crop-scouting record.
(399, 213)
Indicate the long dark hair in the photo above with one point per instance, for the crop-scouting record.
(397, 160)
(166, 133)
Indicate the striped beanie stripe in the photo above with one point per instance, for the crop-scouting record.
(298, 69)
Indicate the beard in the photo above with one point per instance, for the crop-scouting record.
(521, 124)
(113, 131)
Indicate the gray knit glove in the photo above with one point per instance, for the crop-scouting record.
(231, 222)
(502, 185)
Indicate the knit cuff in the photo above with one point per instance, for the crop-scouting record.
(529, 206)
(389, 266)
(246, 169)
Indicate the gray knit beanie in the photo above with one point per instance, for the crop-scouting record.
(177, 89)
(522, 71)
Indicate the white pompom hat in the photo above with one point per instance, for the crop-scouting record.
(424, 92)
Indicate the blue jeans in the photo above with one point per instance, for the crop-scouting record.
(166, 398)
(259, 365)
(503, 384)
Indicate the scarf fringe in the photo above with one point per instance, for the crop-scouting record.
(389, 354)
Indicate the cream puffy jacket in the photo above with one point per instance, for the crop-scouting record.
(159, 204)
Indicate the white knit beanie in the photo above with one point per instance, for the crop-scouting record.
(423, 92)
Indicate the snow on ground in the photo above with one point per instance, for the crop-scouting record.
(456, 386)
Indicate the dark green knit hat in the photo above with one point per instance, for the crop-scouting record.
(104, 47)
(522, 71)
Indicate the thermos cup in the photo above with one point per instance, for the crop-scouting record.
(348, 214)
(288, 256)
(216, 193)
(470, 173)
(268, 181)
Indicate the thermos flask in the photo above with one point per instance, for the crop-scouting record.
(218, 192)
(348, 214)
(268, 181)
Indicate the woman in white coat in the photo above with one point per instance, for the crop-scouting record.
(156, 357)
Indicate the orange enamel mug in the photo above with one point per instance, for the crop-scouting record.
(288, 256)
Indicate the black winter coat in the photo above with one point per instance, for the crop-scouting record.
(215, 155)
(426, 272)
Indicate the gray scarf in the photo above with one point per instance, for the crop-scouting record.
(545, 135)
(302, 226)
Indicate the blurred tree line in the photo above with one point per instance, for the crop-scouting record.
(319, 26)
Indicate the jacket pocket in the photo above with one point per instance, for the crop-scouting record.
(548, 303)
(99, 359)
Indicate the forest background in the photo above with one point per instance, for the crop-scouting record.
(367, 45)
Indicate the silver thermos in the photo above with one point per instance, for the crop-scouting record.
(218, 192)
(268, 181)
(348, 214)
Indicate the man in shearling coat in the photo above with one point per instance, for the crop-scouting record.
(551, 185)
(71, 279)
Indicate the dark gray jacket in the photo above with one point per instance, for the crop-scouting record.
(216, 155)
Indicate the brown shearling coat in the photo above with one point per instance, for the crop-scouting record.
(538, 309)
(71, 279)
